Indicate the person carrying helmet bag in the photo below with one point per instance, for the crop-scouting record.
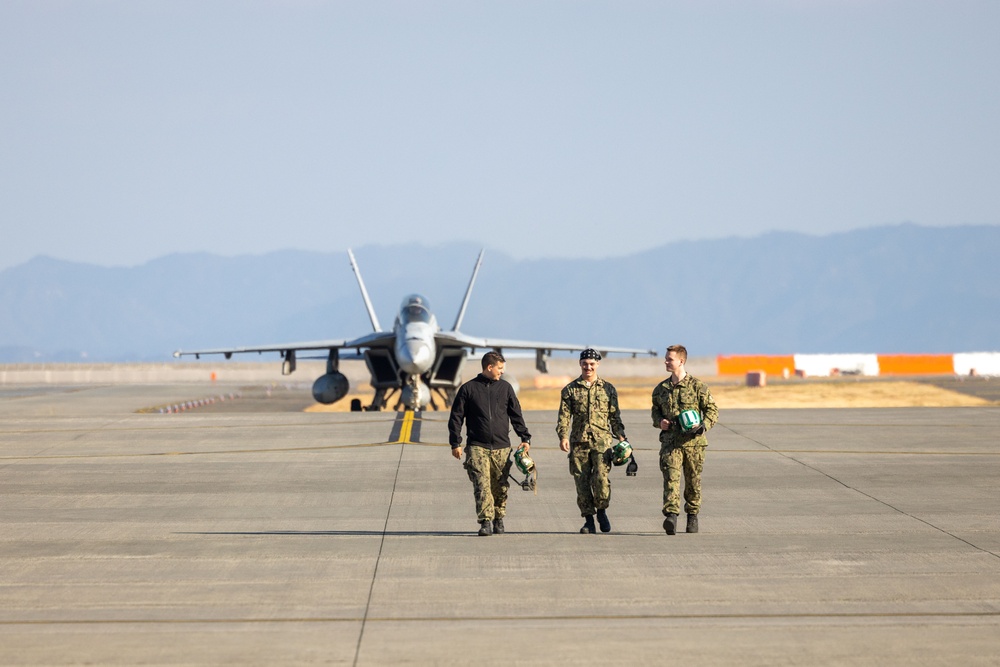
(683, 410)
(589, 419)
(488, 406)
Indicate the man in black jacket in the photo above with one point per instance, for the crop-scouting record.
(488, 406)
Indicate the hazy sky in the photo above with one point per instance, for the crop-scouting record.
(130, 130)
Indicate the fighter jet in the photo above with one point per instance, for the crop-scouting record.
(416, 358)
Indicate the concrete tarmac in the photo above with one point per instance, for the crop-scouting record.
(828, 537)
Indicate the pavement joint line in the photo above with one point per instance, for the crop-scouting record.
(80, 434)
(244, 425)
(867, 495)
(174, 426)
(182, 427)
(479, 619)
(269, 450)
(272, 450)
(851, 452)
(378, 558)
(657, 534)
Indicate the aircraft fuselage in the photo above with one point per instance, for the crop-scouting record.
(414, 329)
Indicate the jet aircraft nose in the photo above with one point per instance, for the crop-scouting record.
(415, 356)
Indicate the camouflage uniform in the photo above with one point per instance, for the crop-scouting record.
(679, 451)
(596, 420)
(488, 408)
(489, 470)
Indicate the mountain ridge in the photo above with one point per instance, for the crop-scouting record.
(890, 289)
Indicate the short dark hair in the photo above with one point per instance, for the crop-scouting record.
(492, 359)
(681, 351)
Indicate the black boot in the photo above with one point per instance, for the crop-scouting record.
(670, 524)
(498, 526)
(692, 526)
(485, 528)
(602, 518)
(588, 525)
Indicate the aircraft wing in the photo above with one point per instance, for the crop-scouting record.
(379, 339)
(455, 338)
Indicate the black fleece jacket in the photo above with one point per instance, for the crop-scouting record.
(488, 408)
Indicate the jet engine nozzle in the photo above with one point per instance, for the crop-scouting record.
(330, 388)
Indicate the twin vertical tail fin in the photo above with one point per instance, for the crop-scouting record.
(371, 311)
(364, 293)
(468, 292)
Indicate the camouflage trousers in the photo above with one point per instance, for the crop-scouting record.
(589, 467)
(675, 460)
(489, 470)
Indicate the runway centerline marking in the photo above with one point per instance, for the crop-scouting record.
(406, 429)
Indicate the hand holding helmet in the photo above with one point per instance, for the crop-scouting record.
(526, 465)
(524, 462)
(690, 422)
(621, 453)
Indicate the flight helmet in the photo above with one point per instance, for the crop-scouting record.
(621, 453)
(523, 461)
(689, 420)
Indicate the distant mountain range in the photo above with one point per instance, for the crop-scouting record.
(892, 289)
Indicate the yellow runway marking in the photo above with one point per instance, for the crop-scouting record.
(408, 434)
(407, 429)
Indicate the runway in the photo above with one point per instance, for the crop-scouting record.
(829, 537)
